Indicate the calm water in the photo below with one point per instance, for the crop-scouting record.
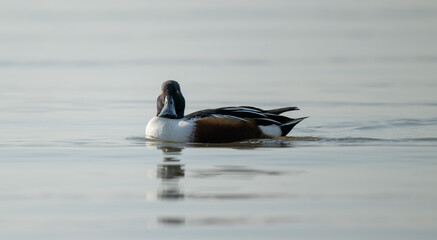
(78, 83)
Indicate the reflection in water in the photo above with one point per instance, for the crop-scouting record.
(229, 220)
(170, 172)
(238, 171)
(171, 220)
(170, 150)
(170, 193)
(248, 144)
(175, 148)
(241, 196)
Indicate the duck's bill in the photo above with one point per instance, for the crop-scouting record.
(169, 110)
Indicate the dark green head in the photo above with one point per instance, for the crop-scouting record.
(171, 102)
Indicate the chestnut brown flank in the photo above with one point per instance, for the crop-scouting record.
(222, 129)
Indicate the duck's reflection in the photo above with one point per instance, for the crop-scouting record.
(170, 171)
(167, 171)
(170, 188)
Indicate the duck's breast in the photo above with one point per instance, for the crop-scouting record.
(173, 130)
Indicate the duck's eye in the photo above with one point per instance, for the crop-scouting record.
(177, 91)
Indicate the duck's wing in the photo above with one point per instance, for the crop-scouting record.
(248, 113)
(242, 112)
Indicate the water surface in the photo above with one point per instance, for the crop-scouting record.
(79, 82)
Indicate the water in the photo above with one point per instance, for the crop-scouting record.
(79, 81)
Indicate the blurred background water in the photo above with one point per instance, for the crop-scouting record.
(79, 80)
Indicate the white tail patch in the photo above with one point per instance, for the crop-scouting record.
(271, 130)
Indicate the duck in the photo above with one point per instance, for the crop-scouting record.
(219, 125)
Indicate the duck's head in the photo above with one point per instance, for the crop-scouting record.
(171, 102)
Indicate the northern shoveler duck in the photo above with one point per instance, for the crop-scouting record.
(220, 125)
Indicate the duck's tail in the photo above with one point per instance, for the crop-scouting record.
(281, 110)
(286, 127)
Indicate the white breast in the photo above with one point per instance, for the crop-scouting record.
(173, 130)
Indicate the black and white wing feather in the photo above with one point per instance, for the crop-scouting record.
(246, 113)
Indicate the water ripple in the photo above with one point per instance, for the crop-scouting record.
(175, 148)
(409, 122)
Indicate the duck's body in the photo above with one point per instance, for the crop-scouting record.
(220, 125)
